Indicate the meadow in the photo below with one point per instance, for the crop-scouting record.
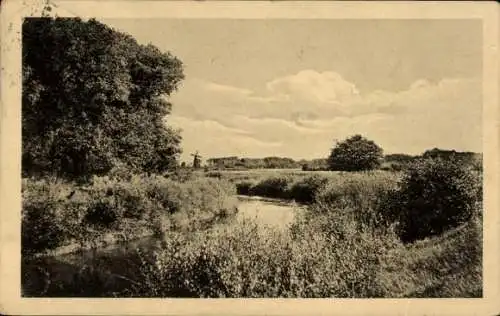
(348, 240)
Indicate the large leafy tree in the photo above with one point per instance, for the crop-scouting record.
(355, 154)
(94, 98)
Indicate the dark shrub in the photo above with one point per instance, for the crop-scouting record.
(244, 188)
(434, 196)
(397, 167)
(213, 174)
(42, 227)
(102, 214)
(304, 190)
(274, 187)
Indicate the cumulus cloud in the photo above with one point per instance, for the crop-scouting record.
(298, 115)
(323, 88)
(213, 138)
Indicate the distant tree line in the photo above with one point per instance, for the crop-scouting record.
(234, 162)
(401, 161)
(343, 159)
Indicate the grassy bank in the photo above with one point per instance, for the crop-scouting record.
(57, 213)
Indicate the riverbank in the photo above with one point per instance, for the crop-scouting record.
(116, 263)
(341, 245)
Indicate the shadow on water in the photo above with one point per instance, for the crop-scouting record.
(104, 272)
(111, 271)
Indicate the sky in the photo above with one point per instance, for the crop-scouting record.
(290, 88)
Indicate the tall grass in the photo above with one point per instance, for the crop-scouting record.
(248, 260)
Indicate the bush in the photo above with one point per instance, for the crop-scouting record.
(304, 190)
(434, 196)
(355, 154)
(213, 174)
(103, 215)
(244, 188)
(361, 195)
(274, 187)
(42, 227)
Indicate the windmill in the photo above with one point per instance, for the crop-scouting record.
(196, 160)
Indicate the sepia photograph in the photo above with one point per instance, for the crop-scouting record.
(246, 157)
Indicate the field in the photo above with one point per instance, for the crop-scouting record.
(177, 236)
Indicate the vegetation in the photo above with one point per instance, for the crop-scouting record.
(93, 98)
(57, 213)
(343, 245)
(304, 190)
(435, 195)
(355, 154)
(314, 164)
(252, 163)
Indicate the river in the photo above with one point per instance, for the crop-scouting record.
(268, 212)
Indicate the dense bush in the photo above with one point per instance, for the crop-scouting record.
(355, 154)
(274, 187)
(244, 187)
(363, 196)
(304, 190)
(42, 226)
(434, 196)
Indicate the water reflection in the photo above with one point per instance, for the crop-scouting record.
(272, 212)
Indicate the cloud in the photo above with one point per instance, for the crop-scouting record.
(204, 125)
(212, 138)
(210, 86)
(322, 88)
(300, 114)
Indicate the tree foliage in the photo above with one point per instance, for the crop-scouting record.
(355, 154)
(94, 98)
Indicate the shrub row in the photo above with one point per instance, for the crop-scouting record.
(301, 189)
(304, 189)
